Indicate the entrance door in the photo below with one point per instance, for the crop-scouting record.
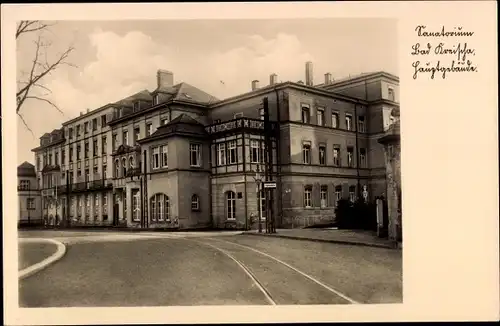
(115, 210)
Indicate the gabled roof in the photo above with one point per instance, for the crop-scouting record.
(142, 95)
(26, 169)
(187, 92)
(183, 125)
(26, 165)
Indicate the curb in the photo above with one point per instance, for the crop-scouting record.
(354, 243)
(60, 252)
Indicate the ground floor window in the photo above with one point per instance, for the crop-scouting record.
(352, 193)
(338, 194)
(160, 207)
(136, 209)
(96, 204)
(308, 196)
(262, 204)
(230, 205)
(324, 196)
(30, 203)
(195, 203)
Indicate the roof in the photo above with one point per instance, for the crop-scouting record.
(188, 93)
(143, 95)
(358, 77)
(183, 125)
(26, 169)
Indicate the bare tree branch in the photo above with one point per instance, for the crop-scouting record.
(41, 66)
(25, 124)
(45, 100)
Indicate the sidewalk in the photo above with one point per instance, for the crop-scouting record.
(352, 237)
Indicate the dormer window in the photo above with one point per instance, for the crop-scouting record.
(156, 99)
(136, 106)
(187, 96)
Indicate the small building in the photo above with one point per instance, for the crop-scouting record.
(30, 205)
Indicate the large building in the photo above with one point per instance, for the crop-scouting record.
(178, 157)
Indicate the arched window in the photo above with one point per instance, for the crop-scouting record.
(230, 205)
(131, 162)
(117, 168)
(160, 207)
(195, 203)
(124, 167)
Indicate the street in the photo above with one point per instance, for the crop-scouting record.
(183, 269)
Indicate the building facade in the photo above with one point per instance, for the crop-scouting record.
(29, 196)
(178, 157)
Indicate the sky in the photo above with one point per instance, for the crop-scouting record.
(114, 59)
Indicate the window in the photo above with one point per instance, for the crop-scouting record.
(323, 195)
(195, 154)
(307, 196)
(156, 99)
(63, 157)
(322, 154)
(87, 201)
(78, 151)
(114, 142)
(96, 171)
(261, 113)
(71, 154)
(86, 127)
(221, 154)
(104, 145)
(125, 137)
(217, 121)
(95, 148)
(105, 206)
(195, 203)
(163, 121)
(80, 206)
(30, 203)
(117, 168)
(87, 175)
(352, 193)
(306, 114)
(136, 209)
(232, 152)
(96, 204)
(137, 135)
(348, 122)
(87, 149)
(391, 94)
(306, 153)
(131, 162)
(164, 156)
(155, 160)
(149, 129)
(254, 151)
(262, 204)
(70, 131)
(38, 163)
(24, 185)
(361, 123)
(230, 205)
(321, 116)
(50, 159)
(362, 157)
(350, 157)
(338, 194)
(103, 120)
(124, 167)
(78, 130)
(136, 106)
(104, 173)
(56, 158)
(94, 124)
(160, 207)
(238, 115)
(336, 156)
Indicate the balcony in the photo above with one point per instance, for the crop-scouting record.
(133, 172)
(87, 186)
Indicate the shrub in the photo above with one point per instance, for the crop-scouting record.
(358, 215)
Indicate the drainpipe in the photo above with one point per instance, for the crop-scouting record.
(358, 187)
(278, 160)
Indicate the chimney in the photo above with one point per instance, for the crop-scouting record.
(164, 78)
(309, 73)
(88, 110)
(273, 79)
(328, 78)
(255, 85)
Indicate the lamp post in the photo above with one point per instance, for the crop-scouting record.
(258, 179)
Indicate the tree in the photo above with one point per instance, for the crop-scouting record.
(41, 66)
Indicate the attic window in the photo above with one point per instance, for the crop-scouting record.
(156, 99)
(187, 95)
(136, 106)
(238, 115)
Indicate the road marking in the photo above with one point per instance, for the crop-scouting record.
(343, 296)
(247, 271)
(61, 250)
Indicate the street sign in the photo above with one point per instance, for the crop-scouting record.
(270, 185)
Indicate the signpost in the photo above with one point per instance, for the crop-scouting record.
(270, 185)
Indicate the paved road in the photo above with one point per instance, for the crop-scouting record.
(211, 269)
